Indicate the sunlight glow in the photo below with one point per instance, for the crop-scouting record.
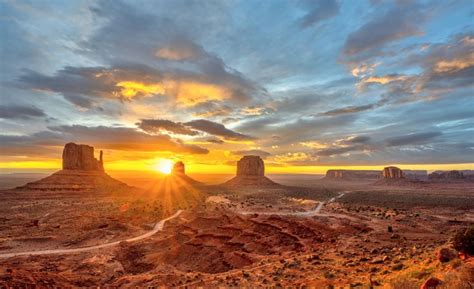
(164, 166)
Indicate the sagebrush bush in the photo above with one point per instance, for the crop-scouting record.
(463, 241)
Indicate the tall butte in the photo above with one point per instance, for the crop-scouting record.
(250, 172)
(179, 171)
(81, 172)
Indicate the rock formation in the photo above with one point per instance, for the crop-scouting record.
(81, 172)
(250, 166)
(250, 172)
(178, 168)
(179, 171)
(81, 157)
(392, 173)
(353, 175)
(451, 175)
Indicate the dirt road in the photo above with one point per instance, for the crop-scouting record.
(158, 227)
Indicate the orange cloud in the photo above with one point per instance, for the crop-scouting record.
(187, 93)
(456, 64)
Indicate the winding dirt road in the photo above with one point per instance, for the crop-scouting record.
(310, 213)
(158, 227)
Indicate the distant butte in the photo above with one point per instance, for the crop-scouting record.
(392, 173)
(250, 172)
(81, 172)
(179, 171)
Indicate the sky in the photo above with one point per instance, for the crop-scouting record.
(306, 85)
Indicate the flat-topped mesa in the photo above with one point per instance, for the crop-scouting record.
(451, 175)
(250, 172)
(355, 175)
(81, 157)
(179, 169)
(250, 166)
(392, 173)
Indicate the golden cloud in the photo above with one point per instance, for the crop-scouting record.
(187, 93)
(456, 64)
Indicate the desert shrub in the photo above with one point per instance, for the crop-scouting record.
(457, 280)
(463, 241)
(403, 283)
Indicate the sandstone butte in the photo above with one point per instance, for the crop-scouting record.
(81, 172)
(250, 172)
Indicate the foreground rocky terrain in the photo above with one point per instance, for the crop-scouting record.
(248, 232)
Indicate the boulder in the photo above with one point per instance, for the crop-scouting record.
(81, 157)
(431, 283)
(250, 166)
(446, 255)
(392, 173)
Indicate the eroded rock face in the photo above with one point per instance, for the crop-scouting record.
(392, 173)
(250, 166)
(81, 157)
(178, 168)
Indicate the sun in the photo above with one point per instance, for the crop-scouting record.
(164, 166)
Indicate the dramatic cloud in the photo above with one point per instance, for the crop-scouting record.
(330, 83)
(159, 125)
(20, 112)
(319, 10)
(410, 139)
(217, 129)
(114, 138)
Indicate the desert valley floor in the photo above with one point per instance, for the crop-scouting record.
(328, 235)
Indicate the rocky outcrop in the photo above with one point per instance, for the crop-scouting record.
(352, 175)
(250, 172)
(392, 173)
(81, 157)
(178, 168)
(81, 172)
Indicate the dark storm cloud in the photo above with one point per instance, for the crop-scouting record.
(401, 21)
(260, 153)
(319, 10)
(20, 112)
(411, 139)
(217, 129)
(158, 125)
